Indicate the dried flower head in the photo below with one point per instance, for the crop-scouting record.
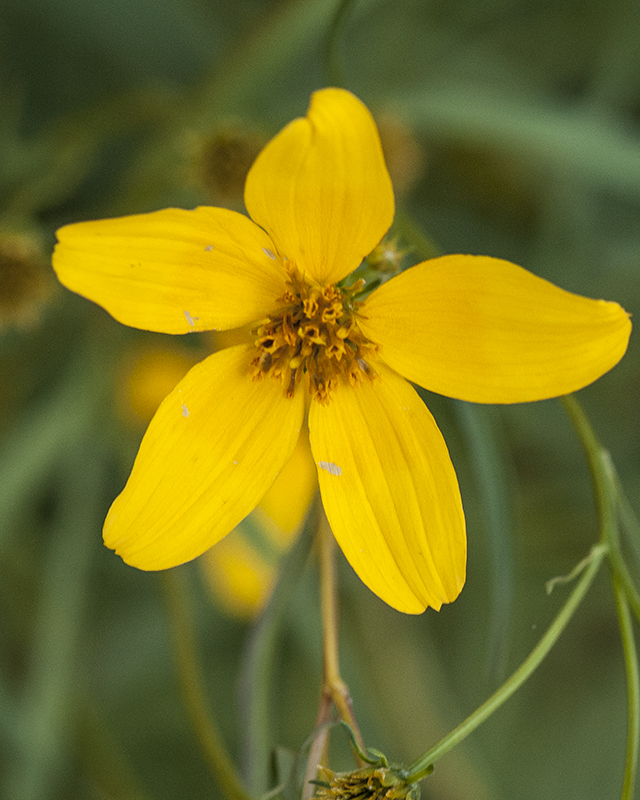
(222, 160)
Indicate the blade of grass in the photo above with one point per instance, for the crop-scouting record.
(256, 684)
(47, 704)
(192, 685)
(491, 475)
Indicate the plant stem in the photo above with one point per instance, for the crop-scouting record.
(416, 770)
(335, 692)
(629, 520)
(607, 492)
(192, 685)
(333, 685)
(333, 67)
(604, 487)
(633, 690)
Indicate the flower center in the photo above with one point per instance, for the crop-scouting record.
(314, 333)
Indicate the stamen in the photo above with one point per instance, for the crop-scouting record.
(315, 334)
(292, 384)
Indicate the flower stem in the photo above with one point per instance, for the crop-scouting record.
(628, 520)
(192, 685)
(416, 770)
(599, 466)
(607, 491)
(333, 66)
(335, 692)
(334, 688)
(633, 690)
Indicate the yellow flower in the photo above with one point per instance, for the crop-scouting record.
(474, 328)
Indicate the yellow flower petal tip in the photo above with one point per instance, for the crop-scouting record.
(487, 331)
(471, 327)
(390, 492)
(214, 447)
(321, 188)
(172, 271)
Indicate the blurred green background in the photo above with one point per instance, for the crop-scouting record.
(512, 128)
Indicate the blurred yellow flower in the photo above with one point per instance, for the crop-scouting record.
(147, 375)
(239, 575)
(471, 327)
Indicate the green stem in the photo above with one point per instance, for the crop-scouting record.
(623, 577)
(333, 66)
(607, 492)
(192, 685)
(599, 466)
(633, 690)
(416, 770)
(628, 520)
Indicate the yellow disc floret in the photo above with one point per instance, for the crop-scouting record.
(314, 333)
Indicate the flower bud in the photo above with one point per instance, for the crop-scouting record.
(370, 783)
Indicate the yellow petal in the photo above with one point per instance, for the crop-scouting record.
(485, 330)
(173, 271)
(288, 500)
(321, 189)
(212, 450)
(390, 492)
